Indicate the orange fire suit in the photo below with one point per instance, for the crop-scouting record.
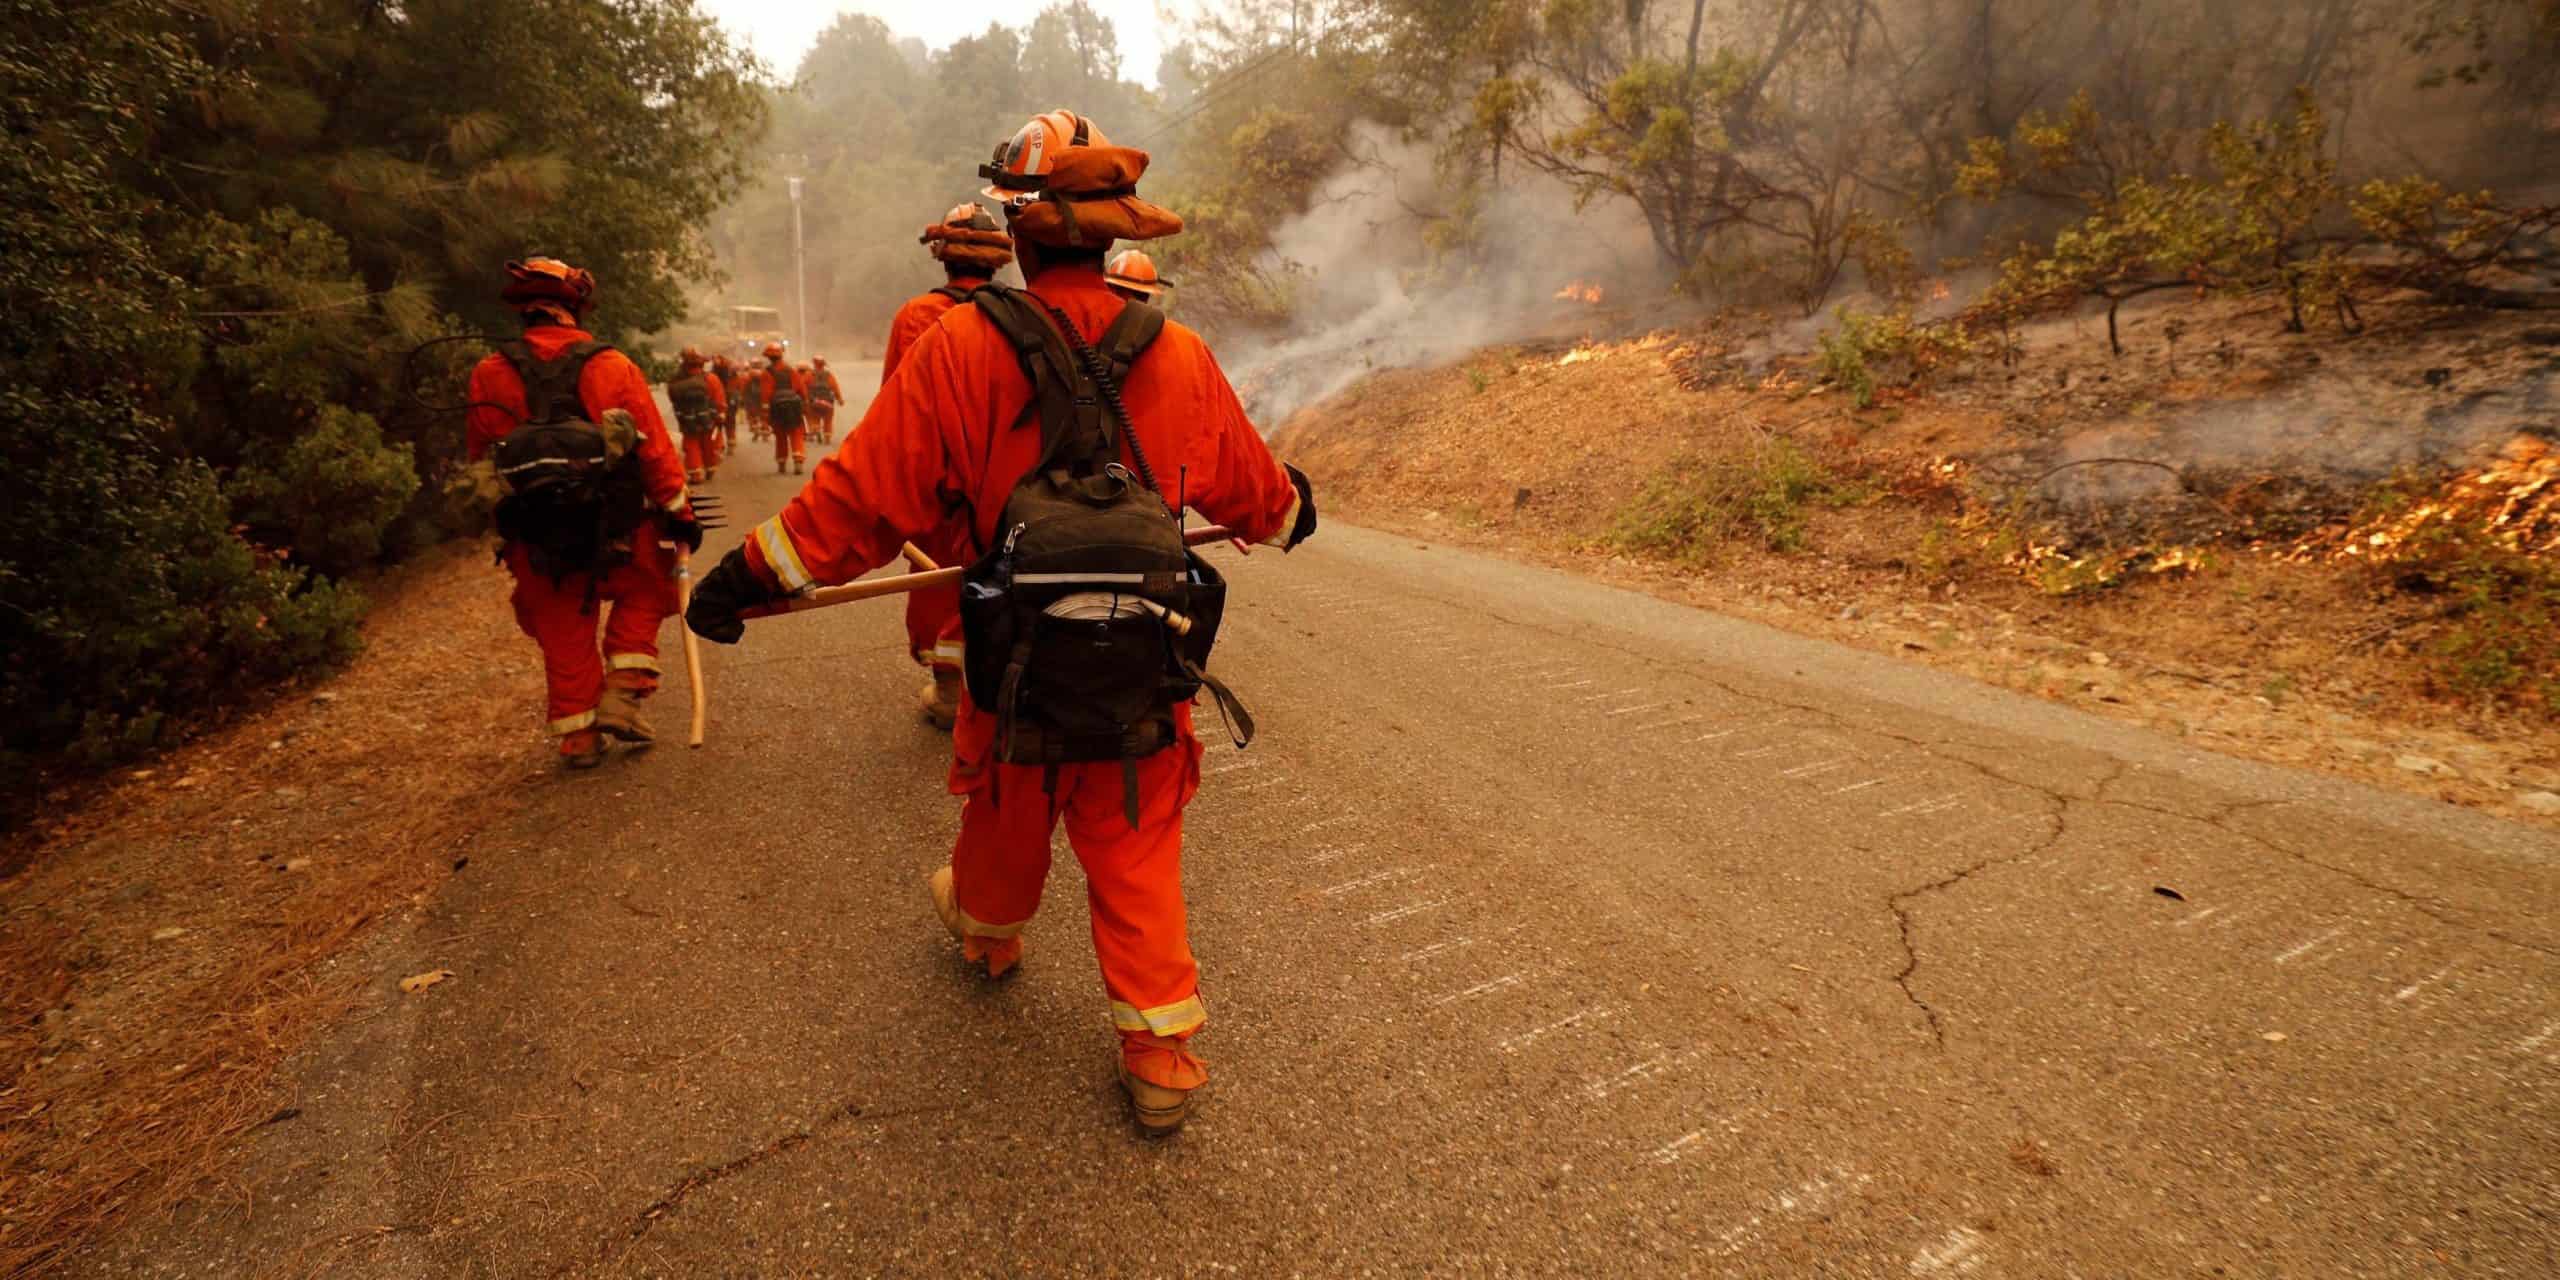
(561, 615)
(933, 617)
(789, 444)
(822, 408)
(950, 425)
(702, 452)
(741, 388)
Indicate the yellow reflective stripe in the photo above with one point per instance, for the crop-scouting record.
(567, 725)
(949, 652)
(782, 557)
(631, 662)
(1163, 1020)
(1288, 522)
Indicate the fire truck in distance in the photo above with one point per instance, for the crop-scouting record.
(754, 327)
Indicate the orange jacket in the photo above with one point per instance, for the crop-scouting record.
(947, 434)
(719, 394)
(914, 318)
(826, 378)
(610, 381)
(764, 380)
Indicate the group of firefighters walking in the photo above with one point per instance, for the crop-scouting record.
(791, 405)
(1047, 437)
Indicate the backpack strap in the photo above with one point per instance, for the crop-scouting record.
(955, 292)
(551, 386)
(1074, 432)
(1128, 338)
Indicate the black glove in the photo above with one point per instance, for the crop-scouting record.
(682, 529)
(1306, 526)
(730, 589)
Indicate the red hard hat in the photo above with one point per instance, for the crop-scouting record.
(1022, 163)
(1134, 271)
(548, 280)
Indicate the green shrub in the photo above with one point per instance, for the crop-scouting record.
(331, 494)
(1695, 506)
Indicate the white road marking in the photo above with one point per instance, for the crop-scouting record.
(1613, 693)
(1425, 953)
(1638, 1074)
(1514, 1044)
(1399, 913)
(2421, 984)
(1482, 988)
(1959, 1254)
(1813, 770)
(2193, 916)
(1641, 706)
(1670, 1152)
(1573, 685)
(1375, 877)
(1721, 733)
(1860, 786)
(2305, 948)
(1939, 805)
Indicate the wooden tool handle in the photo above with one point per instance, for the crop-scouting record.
(873, 588)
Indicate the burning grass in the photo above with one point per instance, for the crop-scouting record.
(161, 953)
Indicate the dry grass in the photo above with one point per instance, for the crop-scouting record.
(2255, 652)
(137, 1058)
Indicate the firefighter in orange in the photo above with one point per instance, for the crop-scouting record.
(782, 394)
(701, 404)
(971, 249)
(1132, 275)
(949, 428)
(726, 372)
(825, 393)
(594, 506)
(742, 392)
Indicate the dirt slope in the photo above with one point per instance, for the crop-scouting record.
(2262, 442)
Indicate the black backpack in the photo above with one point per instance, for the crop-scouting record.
(1089, 621)
(692, 401)
(573, 488)
(821, 389)
(783, 409)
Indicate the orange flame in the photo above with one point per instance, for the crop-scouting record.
(2515, 499)
(1581, 291)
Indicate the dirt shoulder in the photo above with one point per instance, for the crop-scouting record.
(2231, 637)
(162, 940)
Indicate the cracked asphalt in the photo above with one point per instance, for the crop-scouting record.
(1548, 929)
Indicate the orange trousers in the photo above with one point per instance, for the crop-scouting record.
(822, 415)
(702, 452)
(1141, 929)
(790, 444)
(630, 602)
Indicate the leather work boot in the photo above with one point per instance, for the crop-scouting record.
(799, 466)
(582, 750)
(693, 477)
(1159, 1111)
(999, 955)
(618, 713)
(940, 701)
(781, 468)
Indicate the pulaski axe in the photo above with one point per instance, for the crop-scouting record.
(926, 578)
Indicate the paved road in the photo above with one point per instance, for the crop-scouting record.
(1549, 929)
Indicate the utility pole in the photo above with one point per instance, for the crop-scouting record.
(799, 270)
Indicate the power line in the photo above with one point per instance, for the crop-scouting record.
(1212, 95)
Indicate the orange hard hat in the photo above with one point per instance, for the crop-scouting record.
(820, 361)
(691, 355)
(536, 280)
(1136, 272)
(1022, 162)
(773, 351)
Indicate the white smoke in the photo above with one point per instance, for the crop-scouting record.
(1367, 297)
